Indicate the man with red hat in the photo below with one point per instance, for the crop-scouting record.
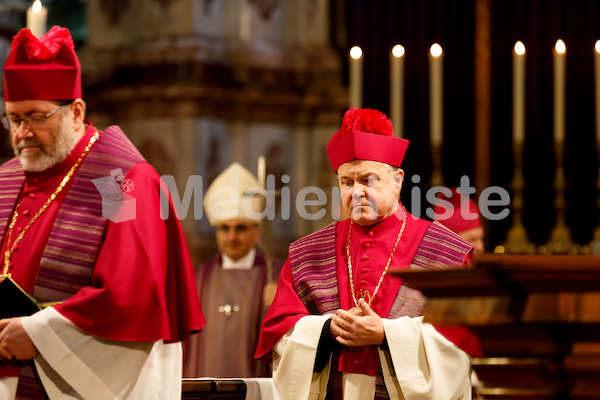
(340, 325)
(459, 213)
(82, 232)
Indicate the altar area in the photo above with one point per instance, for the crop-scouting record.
(537, 316)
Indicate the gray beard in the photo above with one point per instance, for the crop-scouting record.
(53, 153)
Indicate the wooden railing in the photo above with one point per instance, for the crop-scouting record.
(537, 316)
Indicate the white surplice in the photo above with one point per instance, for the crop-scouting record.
(420, 364)
(75, 365)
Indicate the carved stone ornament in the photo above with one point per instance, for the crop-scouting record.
(207, 7)
(113, 9)
(164, 3)
(265, 7)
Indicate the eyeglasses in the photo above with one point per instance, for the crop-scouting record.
(34, 121)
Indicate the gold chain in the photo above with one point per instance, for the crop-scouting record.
(11, 248)
(389, 261)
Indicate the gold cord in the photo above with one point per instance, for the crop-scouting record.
(11, 248)
(389, 261)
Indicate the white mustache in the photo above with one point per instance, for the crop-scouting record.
(29, 143)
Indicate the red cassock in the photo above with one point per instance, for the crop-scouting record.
(142, 286)
(288, 308)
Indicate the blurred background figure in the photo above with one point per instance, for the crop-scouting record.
(234, 283)
(460, 214)
(467, 224)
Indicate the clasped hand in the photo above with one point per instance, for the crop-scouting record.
(14, 341)
(359, 326)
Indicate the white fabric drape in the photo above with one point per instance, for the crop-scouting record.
(260, 389)
(8, 387)
(73, 364)
(420, 364)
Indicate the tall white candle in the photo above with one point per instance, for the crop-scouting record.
(397, 89)
(597, 82)
(519, 93)
(436, 94)
(560, 53)
(261, 174)
(355, 71)
(36, 18)
(245, 22)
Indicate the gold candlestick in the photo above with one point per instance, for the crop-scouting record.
(517, 241)
(560, 241)
(594, 245)
(436, 163)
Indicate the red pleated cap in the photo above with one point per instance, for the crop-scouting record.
(42, 69)
(461, 207)
(366, 135)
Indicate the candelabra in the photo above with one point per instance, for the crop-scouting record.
(594, 245)
(560, 241)
(517, 241)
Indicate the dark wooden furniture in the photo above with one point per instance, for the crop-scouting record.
(213, 388)
(537, 316)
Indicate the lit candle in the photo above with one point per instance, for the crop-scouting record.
(355, 69)
(436, 94)
(245, 22)
(560, 52)
(36, 18)
(597, 76)
(262, 171)
(519, 93)
(396, 88)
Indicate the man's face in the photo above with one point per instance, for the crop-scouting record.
(475, 237)
(40, 145)
(369, 190)
(235, 237)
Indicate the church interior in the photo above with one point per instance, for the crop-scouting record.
(200, 84)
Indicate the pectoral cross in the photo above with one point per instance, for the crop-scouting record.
(228, 309)
(366, 295)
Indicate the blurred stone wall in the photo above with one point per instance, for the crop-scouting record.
(197, 85)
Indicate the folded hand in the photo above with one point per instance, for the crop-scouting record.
(359, 326)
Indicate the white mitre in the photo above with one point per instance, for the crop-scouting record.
(230, 196)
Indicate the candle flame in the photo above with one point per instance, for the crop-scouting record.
(398, 51)
(356, 52)
(436, 50)
(597, 46)
(560, 47)
(37, 6)
(519, 48)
